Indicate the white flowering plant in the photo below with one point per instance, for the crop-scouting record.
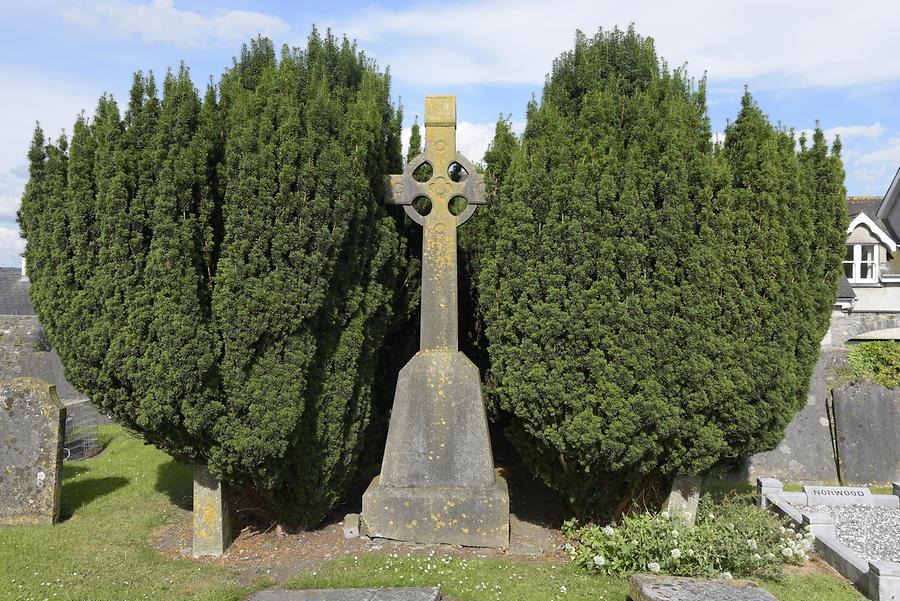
(729, 539)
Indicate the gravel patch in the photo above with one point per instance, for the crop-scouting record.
(872, 532)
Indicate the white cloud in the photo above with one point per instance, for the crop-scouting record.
(160, 21)
(26, 99)
(849, 132)
(889, 153)
(12, 185)
(810, 42)
(11, 247)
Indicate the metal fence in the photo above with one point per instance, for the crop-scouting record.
(81, 430)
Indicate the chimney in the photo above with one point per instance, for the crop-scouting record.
(24, 276)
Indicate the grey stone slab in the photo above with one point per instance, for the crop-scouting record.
(806, 452)
(685, 497)
(212, 517)
(32, 425)
(360, 594)
(867, 421)
(646, 587)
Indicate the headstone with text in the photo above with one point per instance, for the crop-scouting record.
(32, 429)
(838, 495)
(437, 482)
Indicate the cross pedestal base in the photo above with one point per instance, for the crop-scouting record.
(437, 482)
(471, 517)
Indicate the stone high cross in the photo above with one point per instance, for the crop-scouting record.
(437, 482)
(439, 290)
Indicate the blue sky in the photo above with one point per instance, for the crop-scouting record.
(803, 60)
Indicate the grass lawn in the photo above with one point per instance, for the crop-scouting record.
(113, 502)
(100, 552)
(506, 580)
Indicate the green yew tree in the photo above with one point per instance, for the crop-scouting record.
(218, 273)
(652, 305)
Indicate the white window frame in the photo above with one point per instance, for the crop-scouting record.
(857, 263)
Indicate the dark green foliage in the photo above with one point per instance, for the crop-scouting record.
(218, 273)
(652, 305)
(878, 360)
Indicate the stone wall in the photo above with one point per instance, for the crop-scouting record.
(26, 352)
(807, 451)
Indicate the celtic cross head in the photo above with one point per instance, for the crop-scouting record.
(452, 174)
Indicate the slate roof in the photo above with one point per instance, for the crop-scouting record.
(868, 205)
(845, 290)
(864, 204)
(14, 293)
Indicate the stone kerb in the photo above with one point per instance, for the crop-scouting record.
(32, 427)
(878, 580)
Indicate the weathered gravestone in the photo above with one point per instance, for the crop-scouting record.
(867, 422)
(685, 497)
(437, 482)
(32, 427)
(212, 517)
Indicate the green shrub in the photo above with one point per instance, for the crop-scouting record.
(652, 303)
(731, 539)
(878, 360)
(218, 273)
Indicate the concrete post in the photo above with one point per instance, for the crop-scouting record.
(212, 519)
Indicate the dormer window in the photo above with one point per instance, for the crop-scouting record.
(861, 263)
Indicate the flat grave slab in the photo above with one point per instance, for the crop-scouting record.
(645, 587)
(352, 594)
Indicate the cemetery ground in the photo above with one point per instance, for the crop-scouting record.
(125, 535)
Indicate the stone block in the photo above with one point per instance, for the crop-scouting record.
(355, 594)
(212, 516)
(838, 495)
(884, 581)
(351, 526)
(684, 497)
(32, 428)
(819, 524)
(472, 517)
(767, 486)
(868, 439)
(645, 587)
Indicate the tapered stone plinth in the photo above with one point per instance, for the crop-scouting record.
(437, 482)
